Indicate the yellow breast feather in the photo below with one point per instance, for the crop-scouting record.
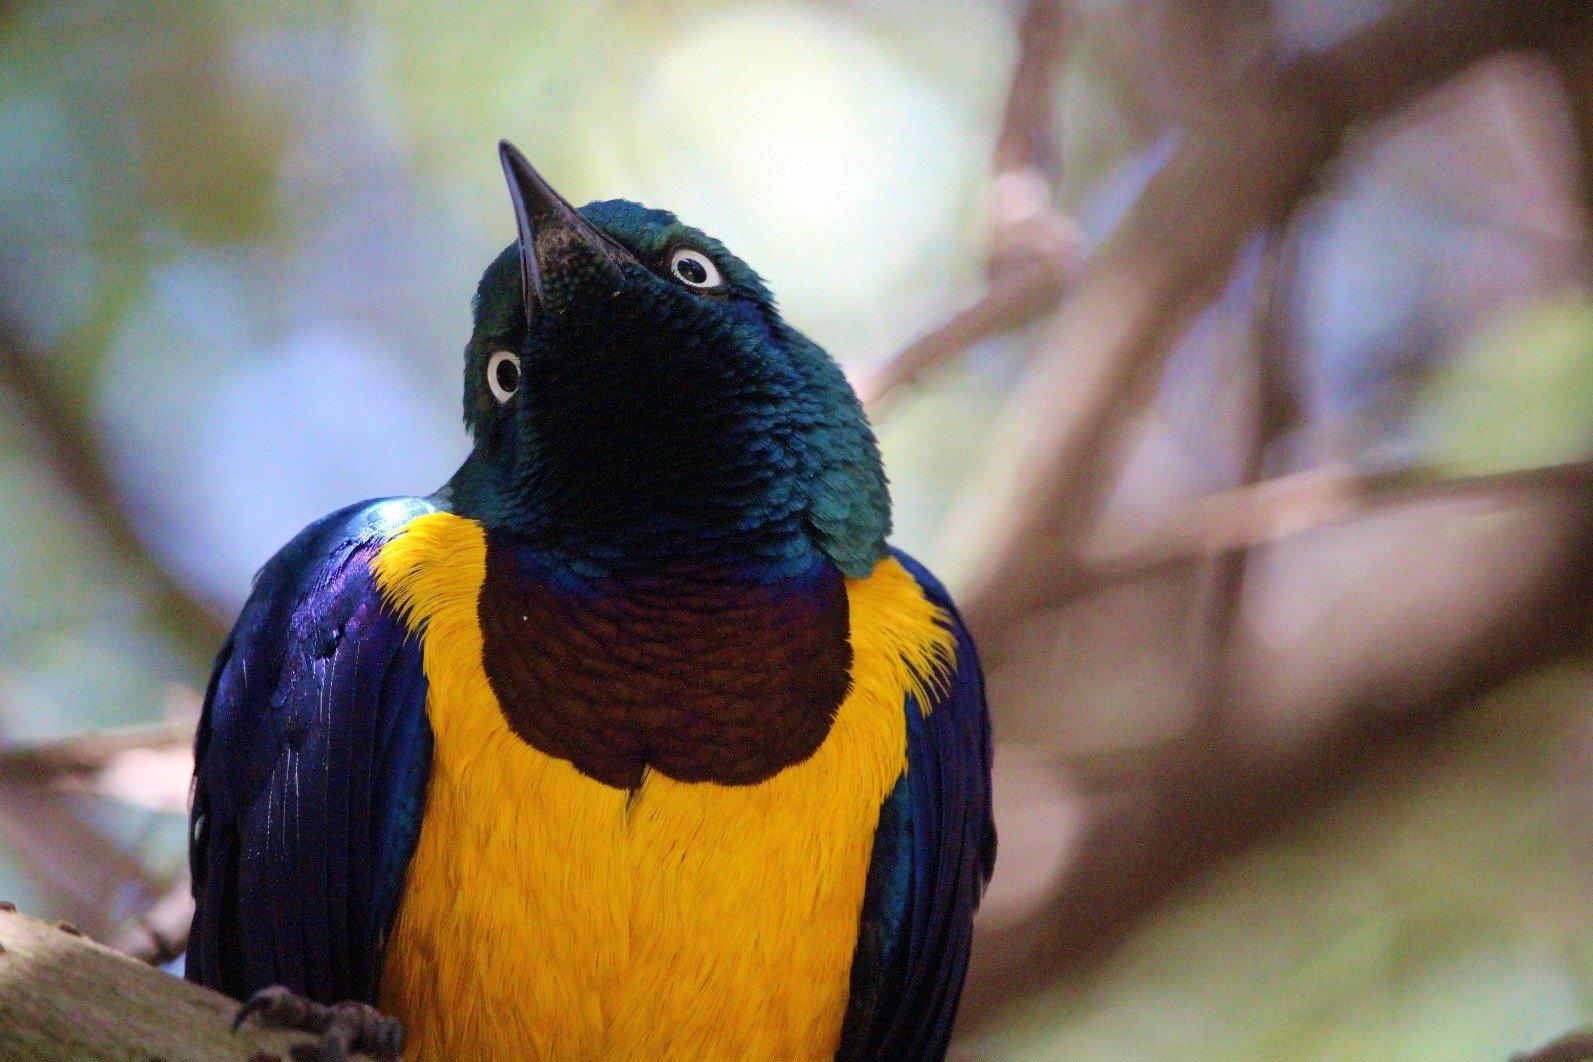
(547, 915)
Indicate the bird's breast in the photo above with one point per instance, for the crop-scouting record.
(551, 914)
(700, 673)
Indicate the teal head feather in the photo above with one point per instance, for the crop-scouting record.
(635, 397)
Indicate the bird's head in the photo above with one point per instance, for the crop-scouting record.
(635, 397)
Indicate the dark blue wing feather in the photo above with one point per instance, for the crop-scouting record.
(310, 771)
(933, 853)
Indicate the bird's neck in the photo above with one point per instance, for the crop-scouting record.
(747, 527)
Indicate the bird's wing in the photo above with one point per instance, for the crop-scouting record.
(933, 853)
(310, 771)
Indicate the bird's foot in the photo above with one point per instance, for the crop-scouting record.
(344, 1028)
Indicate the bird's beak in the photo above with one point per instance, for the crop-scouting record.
(549, 225)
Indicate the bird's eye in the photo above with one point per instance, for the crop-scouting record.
(694, 269)
(503, 375)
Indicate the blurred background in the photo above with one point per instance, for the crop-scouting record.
(1233, 362)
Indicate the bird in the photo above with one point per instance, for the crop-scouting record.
(634, 740)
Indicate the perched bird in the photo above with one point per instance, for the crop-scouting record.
(635, 740)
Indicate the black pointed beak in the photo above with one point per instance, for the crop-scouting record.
(546, 221)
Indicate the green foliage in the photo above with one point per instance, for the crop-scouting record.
(1520, 394)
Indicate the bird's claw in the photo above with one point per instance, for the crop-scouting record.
(344, 1027)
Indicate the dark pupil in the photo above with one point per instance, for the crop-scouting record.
(508, 376)
(691, 271)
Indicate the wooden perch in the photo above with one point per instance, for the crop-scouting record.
(64, 996)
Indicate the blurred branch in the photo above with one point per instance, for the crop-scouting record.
(41, 762)
(107, 889)
(1027, 140)
(101, 886)
(145, 767)
(95, 879)
(104, 888)
(1200, 54)
(1231, 521)
(1576, 1046)
(1245, 168)
(159, 933)
(75, 459)
(1011, 301)
(1034, 251)
(1271, 410)
(1574, 59)
(1197, 802)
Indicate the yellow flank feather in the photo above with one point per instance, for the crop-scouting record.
(547, 915)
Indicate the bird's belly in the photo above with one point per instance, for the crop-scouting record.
(547, 915)
(699, 922)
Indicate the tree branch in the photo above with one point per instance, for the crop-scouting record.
(110, 892)
(1232, 521)
(1246, 170)
(1269, 412)
(99, 884)
(1196, 803)
(74, 458)
(1034, 251)
(1013, 299)
(1574, 60)
(1576, 1046)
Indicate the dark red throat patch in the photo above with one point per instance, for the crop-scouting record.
(702, 676)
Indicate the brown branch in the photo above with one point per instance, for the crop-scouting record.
(1196, 803)
(1270, 412)
(1231, 521)
(1247, 170)
(1574, 60)
(1199, 55)
(1236, 520)
(44, 761)
(93, 879)
(74, 458)
(1034, 251)
(100, 885)
(105, 888)
(1575, 1046)
(159, 933)
(1027, 139)
(1013, 299)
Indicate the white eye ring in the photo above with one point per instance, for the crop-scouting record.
(694, 269)
(503, 375)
